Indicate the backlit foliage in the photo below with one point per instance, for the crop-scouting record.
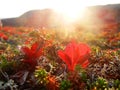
(42, 59)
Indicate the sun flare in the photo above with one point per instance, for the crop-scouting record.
(72, 10)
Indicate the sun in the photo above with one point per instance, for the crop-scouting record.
(72, 9)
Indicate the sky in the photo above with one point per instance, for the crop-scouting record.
(15, 8)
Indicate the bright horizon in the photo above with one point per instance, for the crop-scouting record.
(15, 8)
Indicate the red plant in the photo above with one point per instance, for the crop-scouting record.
(2, 35)
(32, 54)
(75, 54)
(52, 83)
(10, 30)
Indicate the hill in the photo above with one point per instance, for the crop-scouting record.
(94, 15)
(35, 18)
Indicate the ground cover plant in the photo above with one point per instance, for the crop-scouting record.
(43, 59)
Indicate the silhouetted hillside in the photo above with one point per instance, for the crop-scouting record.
(10, 22)
(35, 18)
(101, 17)
(95, 15)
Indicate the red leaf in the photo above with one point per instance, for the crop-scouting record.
(85, 64)
(74, 54)
(34, 46)
(31, 55)
(27, 51)
(64, 57)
